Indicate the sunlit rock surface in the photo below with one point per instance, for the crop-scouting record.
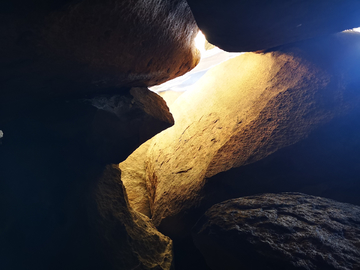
(129, 239)
(134, 178)
(253, 107)
(170, 96)
(52, 49)
(257, 25)
(285, 231)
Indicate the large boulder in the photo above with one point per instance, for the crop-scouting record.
(55, 207)
(250, 25)
(57, 48)
(285, 231)
(303, 96)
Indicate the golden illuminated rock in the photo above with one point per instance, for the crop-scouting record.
(170, 96)
(128, 238)
(134, 179)
(243, 111)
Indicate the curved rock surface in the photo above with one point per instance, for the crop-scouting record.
(280, 231)
(51, 49)
(129, 239)
(242, 26)
(134, 178)
(250, 108)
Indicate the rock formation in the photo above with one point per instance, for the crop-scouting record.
(134, 178)
(74, 103)
(128, 238)
(55, 48)
(73, 99)
(242, 26)
(251, 108)
(53, 187)
(280, 231)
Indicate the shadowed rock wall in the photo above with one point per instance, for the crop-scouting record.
(75, 48)
(253, 25)
(280, 231)
(61, 206)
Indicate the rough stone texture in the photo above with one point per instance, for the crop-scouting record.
(55, 48)
(280, 231)
(134, 178)
(257, 25)
(250, 108)
(148, 41)
(51, 159)
(129, 239)
(133, 169)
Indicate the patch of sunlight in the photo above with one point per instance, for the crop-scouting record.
(354, 29)
(210, 57)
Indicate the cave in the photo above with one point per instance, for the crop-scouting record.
(179, 135)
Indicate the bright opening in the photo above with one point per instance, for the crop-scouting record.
(200, 42)
(210, 56)
(354, 29)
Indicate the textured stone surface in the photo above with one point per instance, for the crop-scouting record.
(134, 178)
(72, 48)
(257, 25)
(147, 41)
(280, 231)
(129, 238)
(133, 169)
(250, 108)
(51, 159)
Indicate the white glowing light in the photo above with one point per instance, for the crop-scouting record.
(208, 59)
(200, 41)
(1, 134)
(353, 30)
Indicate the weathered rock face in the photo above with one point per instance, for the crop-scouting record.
(134, 178)
(251, 108)
(72, 48)
(51, 160)
(280, 231)
(242, 26)
(133, 170)
(129, 239)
